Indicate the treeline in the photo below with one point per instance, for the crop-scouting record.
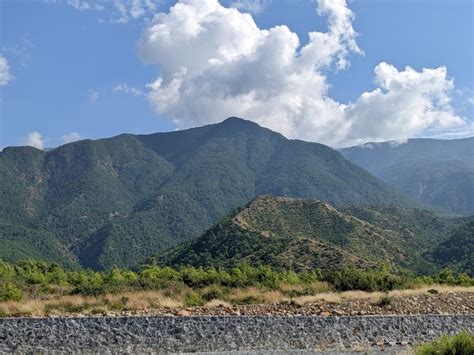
(39, 277)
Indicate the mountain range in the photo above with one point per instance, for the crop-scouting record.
(116, 201)
(431, 171)
(179, 196)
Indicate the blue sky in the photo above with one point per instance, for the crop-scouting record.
(82, 72)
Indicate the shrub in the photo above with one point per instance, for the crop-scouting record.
(212, 292)
(70, 307)
(465, 280)
(98, 310)
(446, 276)
(250, 299)
(193, 299)
(9, 292)
(385, 300)
(459, 344)
(350, 278)
(91, 284)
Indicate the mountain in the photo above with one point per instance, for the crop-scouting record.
(19, 242)
(119, 200)
(303, 234)
(432, 171)
(457, 252)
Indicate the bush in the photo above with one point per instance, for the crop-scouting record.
(212, 292)
(91, 284)
(193, 299)
(385, 300)
(250, 299)
(350, 278)
(459, 344)
(9, 292)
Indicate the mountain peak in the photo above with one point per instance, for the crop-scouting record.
(238, 126)
(236, 119)
(237, 122)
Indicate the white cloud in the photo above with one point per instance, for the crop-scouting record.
(114, 11)
(5, 74)
(250, 6)
(82, 5)
(19, 52)
(93, 96)
(125, 10)
(215, 62)
(123, 87)
(405, 103)
(35, 139)
(71, 137)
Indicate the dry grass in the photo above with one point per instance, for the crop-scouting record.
(293, 290)
(338, 297)
(424, 289)
(150, 299)
(138, 301)
(176, 298)
(254, 295)
(218, 303)
(324, 297)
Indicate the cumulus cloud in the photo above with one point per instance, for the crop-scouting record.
(71, 137)
(405, 103)
(35, 139)
(5, 74)
(215, 62)
(123, 87)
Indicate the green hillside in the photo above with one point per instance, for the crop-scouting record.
(117, 201)
(457, 252)
(18, 243)
(304, 234)
(436, 172)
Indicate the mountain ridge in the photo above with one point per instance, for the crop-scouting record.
(115, 201)
(304, 234)
(435, 172)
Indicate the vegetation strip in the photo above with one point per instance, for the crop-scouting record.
(41, 288)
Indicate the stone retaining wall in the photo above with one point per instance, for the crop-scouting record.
(207, 334)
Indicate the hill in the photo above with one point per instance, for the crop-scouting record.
(436, 172)
(303, 234)
(457, 252)
(117, 201)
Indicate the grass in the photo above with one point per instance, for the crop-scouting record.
(377, 297)
(40, 288)
(173, 298)
(459, 344)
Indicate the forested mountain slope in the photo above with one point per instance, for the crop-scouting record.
(303, 234)
(433, 171)
(116, 201)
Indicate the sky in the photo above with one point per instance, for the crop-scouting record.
(331, 71)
